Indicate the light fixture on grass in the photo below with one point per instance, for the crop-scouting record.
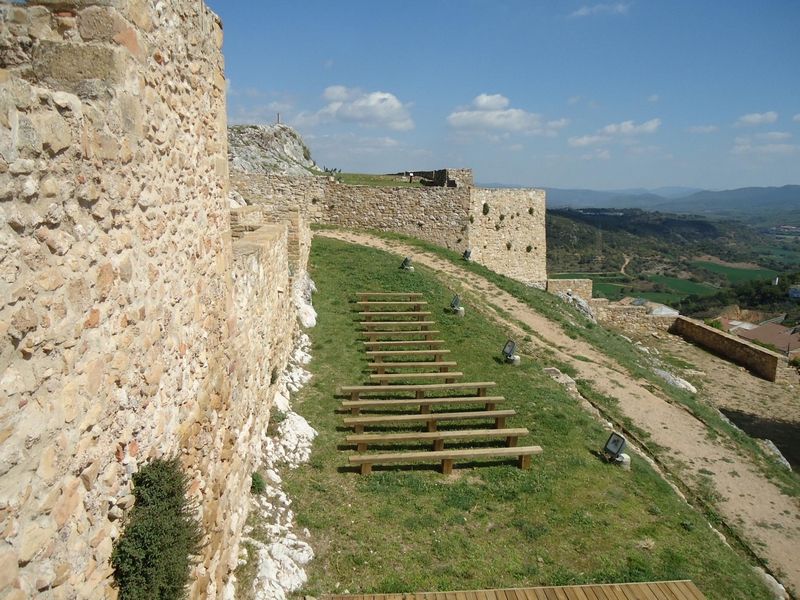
(508, 352)
(406, 264)
(467, 254)
(614, 446)
(456, 301)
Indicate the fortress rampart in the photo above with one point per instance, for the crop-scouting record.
(128, 317)
(505, 228)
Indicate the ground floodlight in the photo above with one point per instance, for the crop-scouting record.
(456, 301)
(614, 446)
(508, 349)
(406, 263)
(467, 253)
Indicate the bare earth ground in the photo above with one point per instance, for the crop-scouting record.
(768, 519)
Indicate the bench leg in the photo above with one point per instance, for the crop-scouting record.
(379, 359)
(490, 406)
(447, 466)
(444, 369)
(438, 358)
(355, 411)
(424, 409)
(428, 336)
(438, 445)
(450, 380)
(432, 425)
(384, 382)
(358, 428)
(525, 461)
(500, 423)
(511, 441)
(362, 447)
(366, 468)
(481, 392)
(354, 396)
(419, 395)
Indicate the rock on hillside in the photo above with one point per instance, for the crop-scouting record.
(269, 149)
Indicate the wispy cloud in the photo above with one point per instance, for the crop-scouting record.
(352, 105)
(796, 117)
(628, 128)
(587, 140)
(773, 136)
(654, 98)
(703, 129)
(618, 8)
(490, 113)
(597, 154)
(756, 119)
(576, 99)
(745, 145)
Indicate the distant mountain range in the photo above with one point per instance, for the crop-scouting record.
(755, 205)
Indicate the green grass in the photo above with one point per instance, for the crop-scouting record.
(684, 286)
(572, 518)
(379, 180)
(735, 274)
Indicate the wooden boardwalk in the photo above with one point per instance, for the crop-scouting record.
(663, 590)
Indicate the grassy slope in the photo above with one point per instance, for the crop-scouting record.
(571, 518)
(734, 274)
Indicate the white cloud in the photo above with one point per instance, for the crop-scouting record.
(796, 117)
(757, 119)
(516, 147)
(654, 98)
(703, 129)
(351, 105)
(488, 113)
(619, 8)
(773, 136)
(597, 154)
(774, 149)
(576, 99)
(587, 140)
(628, 128)
(329, 64)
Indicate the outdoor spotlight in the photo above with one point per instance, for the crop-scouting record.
(467, 253)
(456, 301)
(614, 446)
(406, 263)
(508, 349)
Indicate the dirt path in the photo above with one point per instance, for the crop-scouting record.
(625, 264)
(768, 519)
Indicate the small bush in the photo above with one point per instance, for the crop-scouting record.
(257, 483)
(715, 323)
(528, 248)
(152, 558)
(471, 218)
(530, 210)
(795, 362)
(508, 245)
(485, 208)
(497, 226)
(502, 217)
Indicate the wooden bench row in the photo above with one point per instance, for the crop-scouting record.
(429, 344)
(409, 295)
(419, 389)
(490, 402)
(379, 355)
(437, 437)
(375, 334)
(523, 454)
(383, 379)
(404, 314)
(430, 419)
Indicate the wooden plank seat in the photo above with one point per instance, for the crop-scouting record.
(437, 437)
(379, 355)
(374, 335)
(410, 295)
(430, 419)
(424, 404)
(370, 325)
(416, 304)
(403, 343)
(420, 314)
(385, 378)
(523, 454)
(418, 388)
(381, 367)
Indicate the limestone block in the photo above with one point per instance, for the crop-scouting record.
(67, 504)
(53, 131)
(34, 539)
(70, 64)
(100, 23)
(8, 568)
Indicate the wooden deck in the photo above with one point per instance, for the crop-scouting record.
(664, 590)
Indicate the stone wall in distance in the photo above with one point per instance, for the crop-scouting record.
(579, 287)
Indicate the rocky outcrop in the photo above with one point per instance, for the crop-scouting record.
(268, 150)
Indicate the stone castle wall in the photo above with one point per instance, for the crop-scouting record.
(510, 237)
(766, 363)
(125, 310)
(451, 217)
(628, 316)
(579, 287)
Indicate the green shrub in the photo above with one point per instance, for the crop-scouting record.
(153, 557)
(257, 484)
(528, 248)
(486, 208)
(795, 362)
(715, 323)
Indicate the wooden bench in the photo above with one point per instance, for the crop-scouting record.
(409, 295)
(523, 454)
(430, 419)
(417, 305)
(385, 378)
(420, 314)
(371, 325)
(404, 343)
(437, 437)
(379, 355)
(374, 335)
(424, 404)
(442, 366)
(418, 389)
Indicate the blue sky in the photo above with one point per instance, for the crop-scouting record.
(546, 93)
